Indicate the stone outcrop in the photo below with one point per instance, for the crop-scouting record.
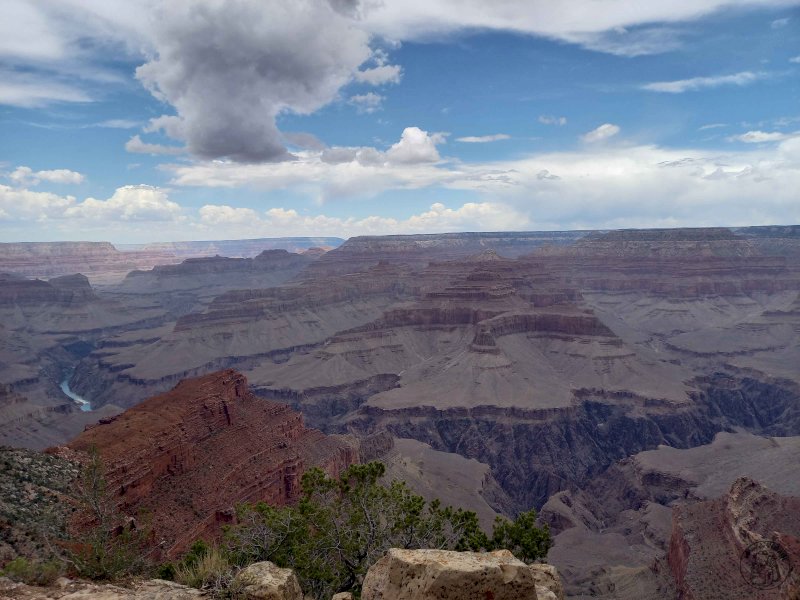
(154, 589)
(189, 455)
(447, 575)
(265, 581)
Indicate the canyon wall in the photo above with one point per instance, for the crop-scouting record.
(189, 456)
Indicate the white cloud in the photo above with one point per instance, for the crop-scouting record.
(380, 75)
(760, 137)
(795, 59)
(482, 139)
(128, 203)
(601, 133)
(470, 216)
(118, 124)
(617, 27)
(26, 205)
(780, 23)
(415, 146)
(137, 146)
(698, 83)
(712, 126)
(595, 187)
(367, 103)
(216, 214)
(272, 57)
(29, 90)
(25, 176)
(551, 120)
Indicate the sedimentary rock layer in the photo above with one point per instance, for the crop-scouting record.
(188, 456)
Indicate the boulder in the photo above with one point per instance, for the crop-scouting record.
(342, 596)
(447, 575)
(266, 581)
(548, 583)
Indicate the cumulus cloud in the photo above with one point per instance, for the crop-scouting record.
(551, 120)
(415, 146)
(230, 68)
(482, 139)
(593, 187)
(25, 176)
(367, 103)
(380, 75)
(604, 132)
(598, 186)
(760, 137)
(27, 205)
(137, 146)
(216, 214)
(128, 204)
(697, 83)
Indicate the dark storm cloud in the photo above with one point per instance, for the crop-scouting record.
(229, 68)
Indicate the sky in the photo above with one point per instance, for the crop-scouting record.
(135, 121)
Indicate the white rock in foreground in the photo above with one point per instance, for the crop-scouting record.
(155, 589)
(266, 581)
(446, 575)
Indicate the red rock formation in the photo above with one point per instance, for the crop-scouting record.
(709, 542)
(189, 455)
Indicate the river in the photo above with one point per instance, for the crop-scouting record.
(84, 404)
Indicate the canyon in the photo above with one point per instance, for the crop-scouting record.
(592, 375)
(105, 263)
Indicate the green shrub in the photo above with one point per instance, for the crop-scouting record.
(210, 571)
(361, 518)
(105, 544)
(33, 572)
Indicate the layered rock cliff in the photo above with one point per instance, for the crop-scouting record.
(740, 546)
(188, 456)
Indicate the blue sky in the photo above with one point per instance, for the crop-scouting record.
(149, 120)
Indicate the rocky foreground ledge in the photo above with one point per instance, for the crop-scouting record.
(399, 575)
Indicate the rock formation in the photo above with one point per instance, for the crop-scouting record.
(188, 456)
(715, 545)
(104, 263)
(445, 575)
(265, 581)
(100, 260)
(613, 537)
